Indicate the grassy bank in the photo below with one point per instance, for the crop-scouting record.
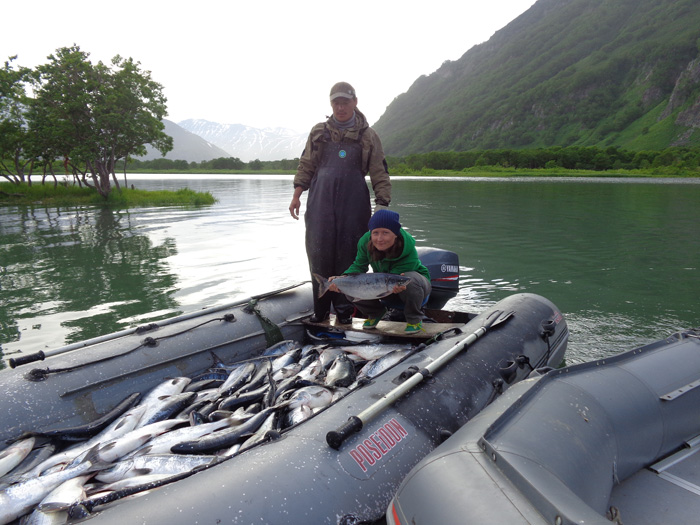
(197, 171)
(50, 195)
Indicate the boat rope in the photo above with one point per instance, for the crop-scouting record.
(497, 390)
(613, 515)
(273, 334)
(441, 335)
(40, 374)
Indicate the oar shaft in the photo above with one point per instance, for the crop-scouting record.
(390, 397)
(452, 352)
(335, 438)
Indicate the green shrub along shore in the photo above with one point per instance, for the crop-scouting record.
(567, 161)
(70, 195)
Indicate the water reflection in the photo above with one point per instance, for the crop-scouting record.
(72, 273)
(618, 257)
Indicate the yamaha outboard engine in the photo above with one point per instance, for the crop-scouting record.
(444, 275)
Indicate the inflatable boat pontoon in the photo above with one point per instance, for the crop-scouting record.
(329, 466)
(609, 441)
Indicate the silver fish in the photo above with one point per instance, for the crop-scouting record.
(223, 438)
(307, 349)
(287, 371)
(311, 396)
(172, 463)
(19, 498)
(312, 371)
(237, 378)
(232, 451)
(166, 406)
(309, 358)
(374, 368)
(281, 347)
(153, 400)
(211, 394)
(341, 372)
(14, 454)
(169, 464)
(134, 481)
(268, 425)
(38, 517)
(163, 443)
(297, 415)
(372, 352)
(288, 358)
(328, 355)
(63, 496)
(37, 456)
(121, 426)
(118, 448)
(364, 286)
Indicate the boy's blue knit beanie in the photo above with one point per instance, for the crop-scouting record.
(386, 219)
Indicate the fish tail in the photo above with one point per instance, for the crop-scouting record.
(96, 462)
(323, 284)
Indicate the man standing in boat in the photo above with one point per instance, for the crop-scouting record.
(338, 154)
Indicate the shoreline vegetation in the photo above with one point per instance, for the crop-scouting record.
(482, 171)
(74, 195)
(551, 161)
(67, 194)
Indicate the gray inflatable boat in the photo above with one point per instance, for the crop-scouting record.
(341, 464)
(612, 440)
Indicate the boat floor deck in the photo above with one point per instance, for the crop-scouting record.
(666, 492)
(444, 321)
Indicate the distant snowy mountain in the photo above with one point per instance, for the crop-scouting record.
(186, 146)
(248, 143)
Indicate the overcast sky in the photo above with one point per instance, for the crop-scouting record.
(261, 63)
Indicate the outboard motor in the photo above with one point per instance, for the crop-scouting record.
(444, 275)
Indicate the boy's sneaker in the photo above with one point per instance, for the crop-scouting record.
(372, 322)
(414, 328)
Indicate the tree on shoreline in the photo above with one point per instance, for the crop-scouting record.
(13, 126)
(89, 116)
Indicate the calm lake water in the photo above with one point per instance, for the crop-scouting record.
(619, 257)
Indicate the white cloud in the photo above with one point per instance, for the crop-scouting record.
(262, 64)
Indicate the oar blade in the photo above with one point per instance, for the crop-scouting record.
(502, 317)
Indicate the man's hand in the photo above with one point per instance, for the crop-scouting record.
(294, 207)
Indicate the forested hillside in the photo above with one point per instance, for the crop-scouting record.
(600, 73)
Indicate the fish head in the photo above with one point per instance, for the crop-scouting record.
(397, 280)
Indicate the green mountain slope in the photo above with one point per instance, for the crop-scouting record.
(566, 72)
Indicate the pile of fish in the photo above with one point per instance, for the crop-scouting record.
(181, 426)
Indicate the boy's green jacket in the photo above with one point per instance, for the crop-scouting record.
(408, 261)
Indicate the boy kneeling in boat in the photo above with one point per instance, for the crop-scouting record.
(388, 248)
